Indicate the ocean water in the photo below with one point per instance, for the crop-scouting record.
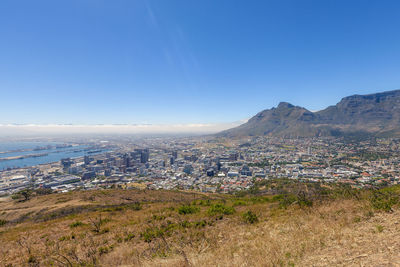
(53, 154)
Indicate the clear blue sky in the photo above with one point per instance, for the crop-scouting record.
(186, 61)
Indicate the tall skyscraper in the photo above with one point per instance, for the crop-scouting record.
(145, 155)
(142, 155)
(86, 159)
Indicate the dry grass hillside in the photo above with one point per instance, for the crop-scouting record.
(301, 226)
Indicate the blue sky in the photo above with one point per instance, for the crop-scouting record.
(186, 61)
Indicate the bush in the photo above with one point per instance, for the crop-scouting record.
(129, 237)
(2, 222)
(185, 224)
(24, 194)
(134, 206)
(76, 224)
(153, 232)
(158, 217)
(239, 202)
(202, 202)
(250, 217)
(383, 200)
(220, 209)
(188, 209)
(201, 223)
(304, 200)
(379, 228)
(97, 223)
(286, 200)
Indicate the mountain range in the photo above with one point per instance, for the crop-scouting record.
(357, 115)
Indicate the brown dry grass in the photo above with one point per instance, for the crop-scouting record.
(338, 233)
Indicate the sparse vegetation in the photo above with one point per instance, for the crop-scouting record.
(384, 200)
(76, 224)
(122, 227)
(250, 217)
(379, 228)
(2, 222)
(23, 195)
(188, 209)
(220, 209)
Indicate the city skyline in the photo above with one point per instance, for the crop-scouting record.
(153, 62)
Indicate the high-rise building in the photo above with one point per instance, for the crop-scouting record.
(210, 172)
(66, 163)
(141, 155)
(219, 165)
(86, 160)
(188, 169)
(145, 155)
(127, 160)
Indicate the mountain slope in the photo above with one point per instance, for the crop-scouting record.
(118, 227)
(374, 114)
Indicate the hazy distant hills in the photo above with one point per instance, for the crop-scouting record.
(357, 115)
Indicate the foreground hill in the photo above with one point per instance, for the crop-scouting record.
(359, 115)
(306, 225)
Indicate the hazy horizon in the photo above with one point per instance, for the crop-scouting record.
(71, 129)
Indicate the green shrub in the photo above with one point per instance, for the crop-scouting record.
(188, 209)
(201, 223)
(151, 233)
(239, 202)
(383, 200)
(304, 200)
(277, 198)
(220, 209)
(250, 217)
(129, 237)
(286, 200)
(3, 222)
(154, 232)
(24, 194)
(185, 224)
(76, 224)
(379, 228)
(158, 217)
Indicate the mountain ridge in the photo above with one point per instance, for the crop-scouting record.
(360, 115)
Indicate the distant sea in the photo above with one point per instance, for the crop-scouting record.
(46, 152)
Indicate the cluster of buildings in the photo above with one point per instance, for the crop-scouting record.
(215, 164)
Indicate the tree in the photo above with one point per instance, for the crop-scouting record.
(25, 194)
